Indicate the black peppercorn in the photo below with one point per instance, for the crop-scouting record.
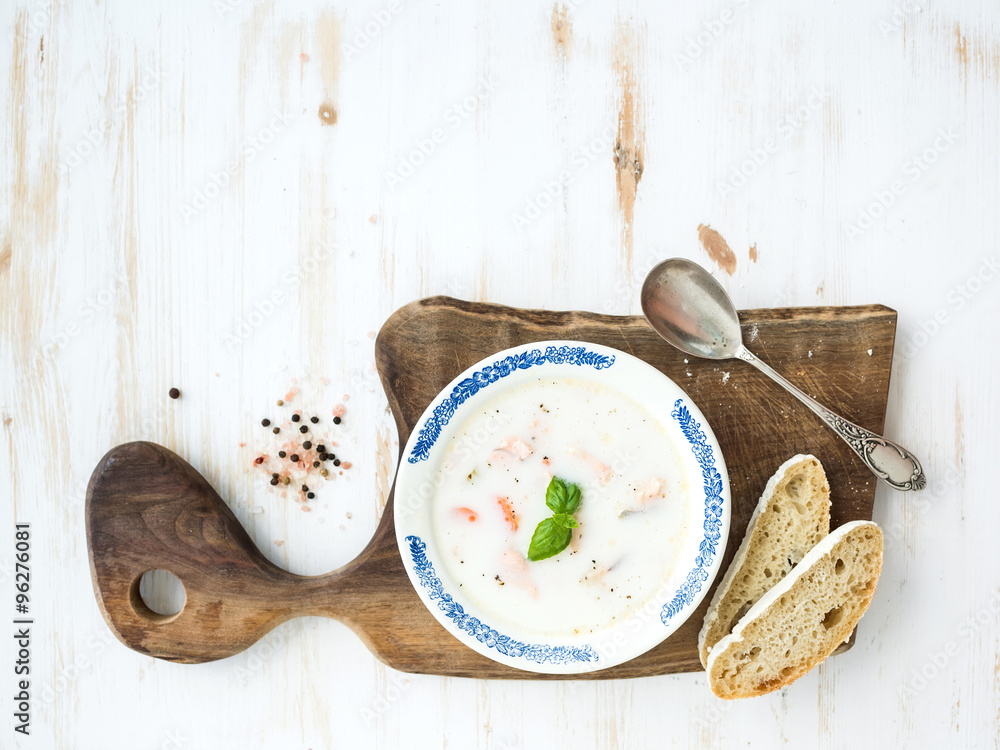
(336, 420)
(276, 430)
(266, 422)
(336, 462)
(294, 457)
(307, 445)
(281, 454)
(310, 495)
(174, 393)
(303, 428)
(274, 481)
(314, 420)
(295, 417)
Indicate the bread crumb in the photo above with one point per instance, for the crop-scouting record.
(810, 353)
(869, 352)
(725, 378)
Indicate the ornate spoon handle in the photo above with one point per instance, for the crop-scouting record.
(891, 463)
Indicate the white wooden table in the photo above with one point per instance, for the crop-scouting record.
(221, 196)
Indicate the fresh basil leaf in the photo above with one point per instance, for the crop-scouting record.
(572, 498)
(555, 495)
(565, 520)
(548, 540)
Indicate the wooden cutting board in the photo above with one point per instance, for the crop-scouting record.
(148, 509)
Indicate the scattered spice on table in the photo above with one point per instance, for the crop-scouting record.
(291, 460)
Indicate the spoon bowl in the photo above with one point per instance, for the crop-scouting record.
(691, 310)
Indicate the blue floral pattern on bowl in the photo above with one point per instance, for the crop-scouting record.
(538, 653)
(443, 412)
(713, 512)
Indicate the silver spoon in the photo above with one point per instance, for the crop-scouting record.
(692, 311)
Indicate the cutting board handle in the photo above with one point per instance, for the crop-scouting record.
(148, 509)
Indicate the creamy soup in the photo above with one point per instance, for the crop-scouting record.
(633, 517)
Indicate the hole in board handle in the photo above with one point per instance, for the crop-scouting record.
(158, 596)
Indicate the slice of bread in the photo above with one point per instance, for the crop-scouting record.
(792, 516)
(802, 620)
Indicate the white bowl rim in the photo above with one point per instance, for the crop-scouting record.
(563, 655)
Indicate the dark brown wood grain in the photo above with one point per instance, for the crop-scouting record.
(148, 509)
